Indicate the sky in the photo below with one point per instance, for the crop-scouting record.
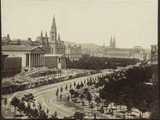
(132, 22)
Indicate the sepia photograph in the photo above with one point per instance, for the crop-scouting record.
(79, 59)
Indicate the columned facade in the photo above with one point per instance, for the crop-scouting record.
(35, 57)
(35, 60)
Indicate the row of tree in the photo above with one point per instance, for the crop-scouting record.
(129, 88)
(27, 107)
(96, 63)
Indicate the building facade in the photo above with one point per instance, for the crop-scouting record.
(11, 66)
(73, 52)
(56, 45)
(154, 53)
(31, 56)
(138, 53)
(52, 44)
(111, 51)
(55, 61)
(3, 56)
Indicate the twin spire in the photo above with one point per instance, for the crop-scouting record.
(112, 42)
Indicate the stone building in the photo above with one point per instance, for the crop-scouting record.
(55, 61)
(31, 56)
(51, 44)
(113, 52)
(73, 52)
(11, 66)
(6, 40)
(139, 53)
(56, 45)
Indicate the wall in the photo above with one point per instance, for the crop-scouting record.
(51, 61)
(17, 54)
(12, 66)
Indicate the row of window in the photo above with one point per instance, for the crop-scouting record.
(12, 64)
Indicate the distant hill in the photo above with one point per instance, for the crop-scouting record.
(84, 45)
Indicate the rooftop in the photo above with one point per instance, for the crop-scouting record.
(18, 48)
(56, 55)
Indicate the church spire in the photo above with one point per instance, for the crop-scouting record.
(111, 42)
(53, 32)
(59, 39)
(114, 42)
(53, 22)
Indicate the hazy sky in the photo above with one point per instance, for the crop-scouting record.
(134, 22)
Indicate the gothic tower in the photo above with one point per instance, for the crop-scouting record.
(114, 42)
(53, 37)
(53, 32)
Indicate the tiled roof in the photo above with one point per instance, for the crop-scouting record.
(18, 48)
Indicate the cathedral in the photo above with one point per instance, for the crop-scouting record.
(112, 51)
(112, 44)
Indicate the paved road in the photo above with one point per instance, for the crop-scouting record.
(45, 95)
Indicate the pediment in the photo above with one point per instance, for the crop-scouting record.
(38, 50)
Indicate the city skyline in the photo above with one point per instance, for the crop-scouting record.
(133, 22)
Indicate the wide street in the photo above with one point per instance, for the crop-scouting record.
(45, 95)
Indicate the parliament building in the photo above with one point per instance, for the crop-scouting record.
(35, 53)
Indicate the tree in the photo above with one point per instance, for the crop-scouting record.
(27, 110)
(78, 86)
(55, 114)
(74, 84)
(66, 87)
(97, 100)
(47, 111)
(61, 89)
(5, 102)
(82, 85)
(60, 96)
(82, 97)
(15, 102)
(57, 93)
(70, 86)
(79, 115)
(21, 106)
(85, 90)
(71, 92)
(143, 107)
(89, 97)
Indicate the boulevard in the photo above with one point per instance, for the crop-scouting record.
(45, 95)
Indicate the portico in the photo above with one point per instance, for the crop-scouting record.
(35, 58)
(32, 56)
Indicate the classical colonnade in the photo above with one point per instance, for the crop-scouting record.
(35, 60)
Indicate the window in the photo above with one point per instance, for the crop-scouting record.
(59, 60)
